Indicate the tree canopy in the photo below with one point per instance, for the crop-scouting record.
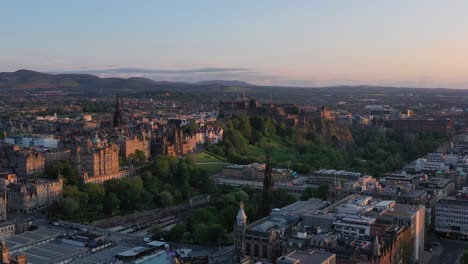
(305, 149)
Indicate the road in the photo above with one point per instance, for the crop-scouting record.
(214, 163)
(449, 252)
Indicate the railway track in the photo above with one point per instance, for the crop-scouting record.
(162, 219)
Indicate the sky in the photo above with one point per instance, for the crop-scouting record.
(418, 43)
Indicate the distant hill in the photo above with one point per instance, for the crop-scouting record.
(225, 83)
(87, 84)
(33, 79)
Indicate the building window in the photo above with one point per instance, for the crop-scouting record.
(247, 249)
(256, 251)
(265, 252)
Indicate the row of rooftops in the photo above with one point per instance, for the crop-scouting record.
(365, 209)
(334, 240)
(357, 209)
(280, 218)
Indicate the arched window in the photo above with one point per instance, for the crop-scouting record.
(264, 252)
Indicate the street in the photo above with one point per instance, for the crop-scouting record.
(449, 252)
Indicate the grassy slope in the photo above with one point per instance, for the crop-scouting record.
(208, 157)
(280, 152)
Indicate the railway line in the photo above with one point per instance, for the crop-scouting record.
(139, 224)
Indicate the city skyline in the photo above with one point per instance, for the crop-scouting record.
(308, 43)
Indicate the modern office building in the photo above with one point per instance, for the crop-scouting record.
(451, 217)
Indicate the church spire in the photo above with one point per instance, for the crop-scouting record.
(118, 116)
(376, 249)
(241, 216)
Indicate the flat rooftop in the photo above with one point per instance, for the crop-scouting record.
(358, 220)
(51, 252)
(308, 257)
(104, 256)
(267, 223)
(354, 199)
(401, 176)
(19, 241)
(454, 201)
(299, 208)
(402, 209)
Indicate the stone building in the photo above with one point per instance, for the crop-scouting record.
(22, 161)
(7, 229)
(20, 126)
(3, 206)
(264, 240)
(210, 135)
(129, 144)
(287, 113)
(5, 257)
(29, 196)
(52, 156)
(103, 178)
(239, 233)
(7, 178)
(95, 158)
(255, 172)
(426, 125)
(174, 138)
(172, 141)
(324, 176)
(26, 162)
(326, 113)
(259, 241)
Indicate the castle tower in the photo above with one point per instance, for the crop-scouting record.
(239, 233)
(268, 186)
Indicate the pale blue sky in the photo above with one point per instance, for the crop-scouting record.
(397, 42)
